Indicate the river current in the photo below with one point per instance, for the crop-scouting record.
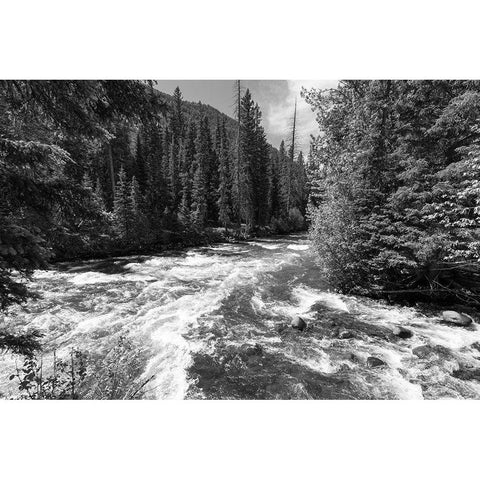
(213, 322)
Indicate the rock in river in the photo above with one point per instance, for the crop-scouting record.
(455, 318)
(422, 351)
(375, 362)
(402, 332)
(299, 324)
(345, 334)
(465, 373)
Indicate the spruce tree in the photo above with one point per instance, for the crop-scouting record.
(98, 196)
(248, 152)
(224, 177)
(199, 186)
(121, 205)
(173, 174)
(177, 122)
(187, 157)
(134, 210)
(284, 179)
(211, 177)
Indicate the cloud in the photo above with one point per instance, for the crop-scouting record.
(279, 114)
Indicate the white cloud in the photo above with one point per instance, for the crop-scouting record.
(279, 115)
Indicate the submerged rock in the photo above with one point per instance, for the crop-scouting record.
(455, 318)
(402, 332)
(422, 351)
(282, 327)
(345, 334)
(464, 373)
(299, 324)
(251, 350)
(374, 362)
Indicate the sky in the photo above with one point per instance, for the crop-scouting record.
(276, 99)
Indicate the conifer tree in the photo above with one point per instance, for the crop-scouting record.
(177, 115)
(98, 196)
(248, 153)
(173, 174)
(224, 177)
(261, 172)
(212, 179)
(140, 169)
(187, 172)
(121, 205)
(134, 210)
(284, 180)
(199, 187)
(237, 170)
(275, 183)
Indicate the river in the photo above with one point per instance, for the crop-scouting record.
(213, 322)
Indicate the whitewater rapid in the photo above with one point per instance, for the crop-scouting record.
(210, 323)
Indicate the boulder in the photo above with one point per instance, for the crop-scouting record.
(299, 324)
(402, 332)
(282, 327)
(374, 362)
(422, 351)
(465, 373)
(335, 332)
(345, 334)
(251, 350)
(455, 318)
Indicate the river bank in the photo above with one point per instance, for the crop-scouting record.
(213, 322)
(170, 241)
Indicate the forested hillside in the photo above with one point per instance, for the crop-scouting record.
(395, 197)
(93, 168)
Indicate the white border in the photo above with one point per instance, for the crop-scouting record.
(242, 39)
(225, 39)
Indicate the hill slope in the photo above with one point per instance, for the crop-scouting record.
(197, 110)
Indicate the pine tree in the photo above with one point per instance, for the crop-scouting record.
(98, 196)
(224, 177)
(248, 152)
(155, 191)
(134, 210)
(187, 172)
(300, 196)
(212, 179)
(237, 170)
(261, 173)
(173, 174)
(199, 187)
(275, 183)
(284, 180)
(316, 182)
(177, 123)
(121, 205)
(140, 168)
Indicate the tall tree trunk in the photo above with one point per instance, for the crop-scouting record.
(292, 155)
(239, 186)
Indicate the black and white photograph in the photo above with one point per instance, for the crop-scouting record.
(239, 240)
(269, 239)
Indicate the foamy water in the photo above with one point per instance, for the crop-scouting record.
(213, 300)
